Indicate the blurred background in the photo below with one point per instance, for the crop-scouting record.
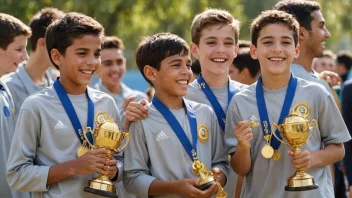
(132, 19)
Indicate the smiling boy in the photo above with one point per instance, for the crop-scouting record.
(43, 157)
(274, 37)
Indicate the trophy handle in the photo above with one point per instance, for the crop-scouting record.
(88, 129)
(128, 140)
(273, 126)
(315, 127)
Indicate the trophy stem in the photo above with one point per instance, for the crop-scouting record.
(296, 150)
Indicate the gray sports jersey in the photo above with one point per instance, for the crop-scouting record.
(126, 93)
(22, 86)
(268, 178)
(300, 72)
(195, 93)
(155, 152)
(7, 127)
(44, 136)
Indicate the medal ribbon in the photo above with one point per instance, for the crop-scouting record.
(70, 111)
(263, 113)
(177, 128)
(220, 114)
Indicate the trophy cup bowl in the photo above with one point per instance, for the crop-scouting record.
(295, 129)
(109, 136)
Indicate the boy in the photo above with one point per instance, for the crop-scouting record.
(32, 76)
(214, 43)
(43, 156)
(274, 37)
(325, 63)
(13, 42)
(244, 68)
(159, 158)
(111, 72)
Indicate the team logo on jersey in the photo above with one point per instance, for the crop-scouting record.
(203, 132)
(7, 112)
(161, 136)
(302, 109)
(60, 125)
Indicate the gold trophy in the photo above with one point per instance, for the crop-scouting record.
(107, 134)
(206, 178)
(295, 129)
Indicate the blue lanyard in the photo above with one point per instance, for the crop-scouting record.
(66, 102)
(177, 128)
(263, 113)
(220, 114)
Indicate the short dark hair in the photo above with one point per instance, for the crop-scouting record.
(60, 34)
(213, 17)
(273, 17)
(10, 27)
(113, 42)
(244, 43)
(245, 60)
(344, 57)
(300, 9)
(196, 68)
(152, 50)
(40, 22)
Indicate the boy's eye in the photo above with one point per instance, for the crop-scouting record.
(176, 65)
(286, 42)
(267, 42)
(97, 54)
(81, 53)
(211, 42)
(229, 43)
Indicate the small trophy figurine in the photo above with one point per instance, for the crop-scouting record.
(206, 178)
(295, 129)
(107, 134)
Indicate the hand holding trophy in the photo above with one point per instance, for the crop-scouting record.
(108, 135)
(295, 129)
(206, 178)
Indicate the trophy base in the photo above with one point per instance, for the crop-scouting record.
(301, 181)
(101, 186)
(206, 185)
(100, 192)
(302, 188)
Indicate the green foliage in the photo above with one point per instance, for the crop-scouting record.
(132, 19)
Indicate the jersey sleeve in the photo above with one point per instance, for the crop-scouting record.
(331, 125)
(22, 174)
(137, 177)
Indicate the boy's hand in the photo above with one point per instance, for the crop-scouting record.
(301, 161)
(92, 161)
(219, 176)
(110, 169)
(127, 101)
(244, 135)
(135, 111)
(331, 78)
(187, 188)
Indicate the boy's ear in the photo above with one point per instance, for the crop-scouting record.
(297, 50)
(253, 51)
(56, 56)
(150, 73)
(194, 50)
(41, 44)
(236, 50)
(303, 33)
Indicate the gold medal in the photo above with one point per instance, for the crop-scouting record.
(276, 155)
(267, 151)
(203, 132)
(253, 123)
(302, 109)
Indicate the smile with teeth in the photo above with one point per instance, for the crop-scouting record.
(220, 60)
(86, 71)
(277, 59)
(182, 82)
